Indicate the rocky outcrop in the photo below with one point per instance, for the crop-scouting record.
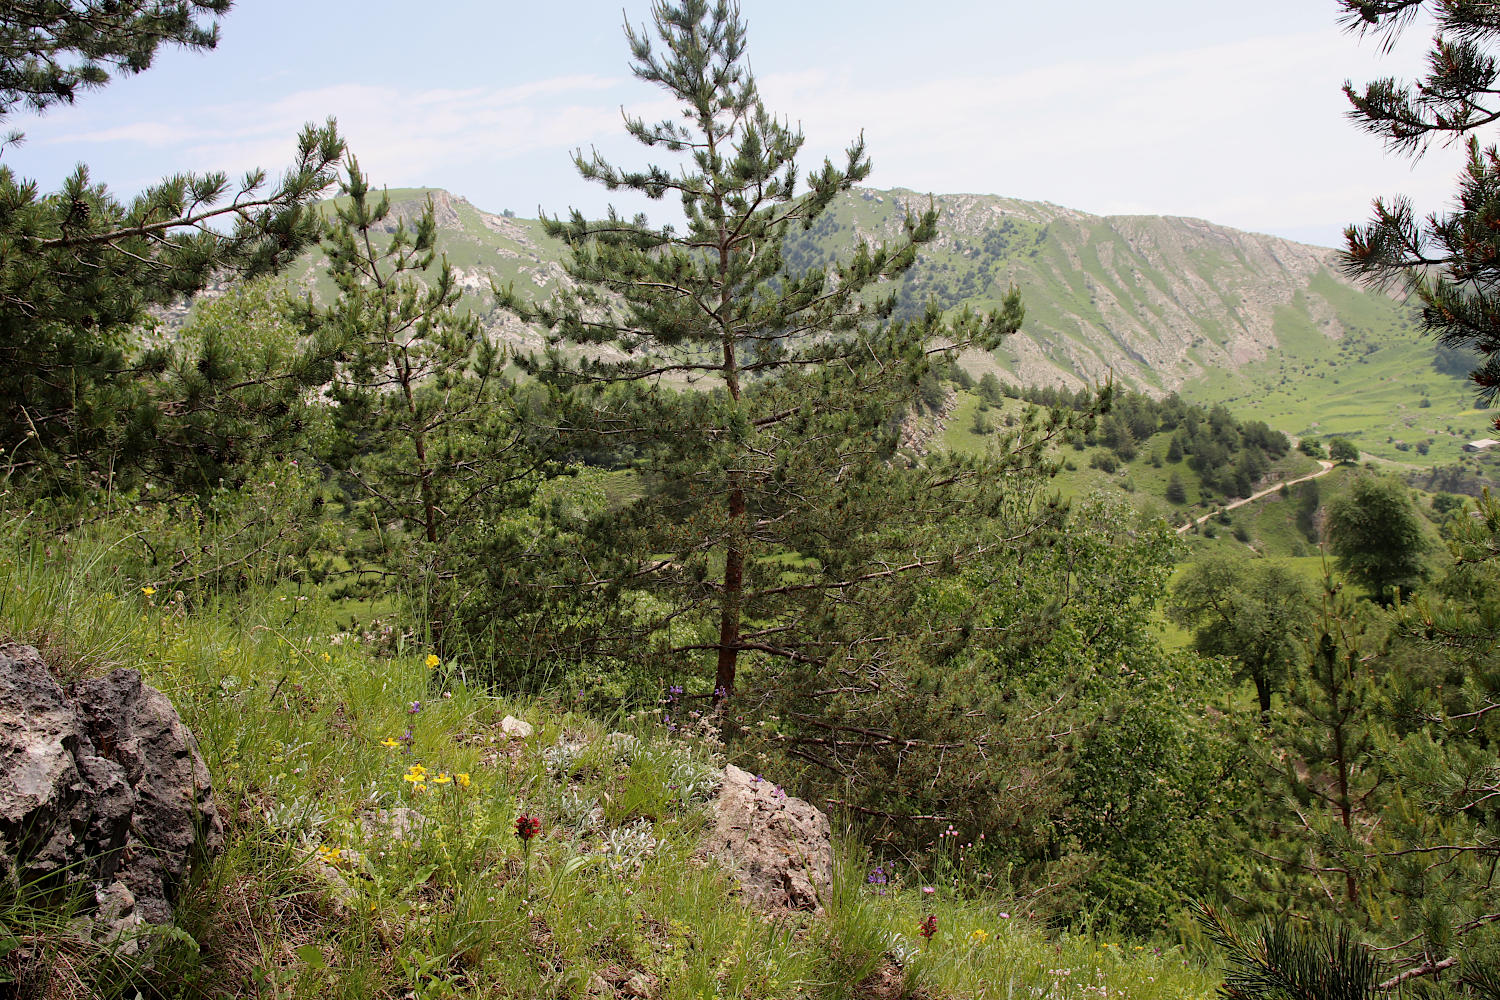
(102, 791)
(779, 848)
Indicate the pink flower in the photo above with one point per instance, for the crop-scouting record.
(928, 890)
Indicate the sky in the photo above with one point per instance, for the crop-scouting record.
(1230, 112)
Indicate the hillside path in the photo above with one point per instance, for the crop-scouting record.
(1327, 467)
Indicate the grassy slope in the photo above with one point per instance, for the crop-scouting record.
(1368, 386)
(294, 724)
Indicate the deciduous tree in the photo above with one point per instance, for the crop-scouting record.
(1256, 613)
(1376, 533)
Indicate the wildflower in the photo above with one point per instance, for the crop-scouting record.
(928, 890)
(928, 927)
(326, 658)
(979, 935)
(461, 779)
(388, 743)
(527, 827)
(442, 778)
(415, 774)
(148, 591)
(414, 708)
(432, 660)
(1003, 916)
(331, 856)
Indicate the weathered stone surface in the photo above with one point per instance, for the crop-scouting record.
(399, 823)
(779, 848)
(101, 786)
(517, 729)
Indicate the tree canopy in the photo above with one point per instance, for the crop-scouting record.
(80, 269)
(1448, 261)
(1376, 533)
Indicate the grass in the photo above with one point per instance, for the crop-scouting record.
(312, 740)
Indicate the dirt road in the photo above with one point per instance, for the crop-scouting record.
(1327, 467)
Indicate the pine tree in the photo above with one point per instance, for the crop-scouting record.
(79, 269)
(50, 51)
(1438, 741)
(765, 405)
(1447, 261)
(424, 414)
(1326, 760)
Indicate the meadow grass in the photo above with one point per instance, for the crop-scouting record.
(371, 803)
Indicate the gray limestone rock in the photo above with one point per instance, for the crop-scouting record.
(779, 848)
(102, 790)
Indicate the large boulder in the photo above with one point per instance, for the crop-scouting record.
(778, 847)
(102, 791)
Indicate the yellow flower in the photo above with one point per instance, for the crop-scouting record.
(979, 935)
(388, 742)
(462, 779)
(419, 787)
(327, 658)
(432, 660)
(148, 591)
(442, 778)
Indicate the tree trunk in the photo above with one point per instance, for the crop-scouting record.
(1263, 695)
(734, 581)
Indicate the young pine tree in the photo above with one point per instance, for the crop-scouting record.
(424, 421)
(764, 405)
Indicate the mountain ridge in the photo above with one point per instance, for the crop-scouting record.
(1156, 303)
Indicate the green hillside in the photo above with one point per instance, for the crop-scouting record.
(1263, 325)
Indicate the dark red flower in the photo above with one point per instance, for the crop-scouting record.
(528, 827)
(928, 927)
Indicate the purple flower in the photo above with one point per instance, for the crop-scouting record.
(414, 708)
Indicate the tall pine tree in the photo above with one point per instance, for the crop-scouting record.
(763, 406)
(424, 411)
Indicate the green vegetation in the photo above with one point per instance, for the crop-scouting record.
(748, 507)
(1443, 261)
(311, 732)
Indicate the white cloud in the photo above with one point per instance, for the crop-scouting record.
(1250, 133)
